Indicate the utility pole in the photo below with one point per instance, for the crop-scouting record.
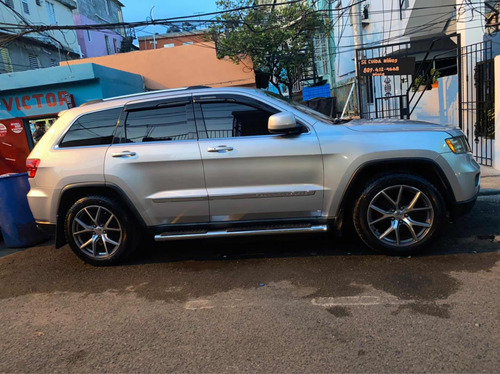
(151, 15)
(357, 29)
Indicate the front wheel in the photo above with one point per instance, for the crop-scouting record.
(99, 231)
(399, 214)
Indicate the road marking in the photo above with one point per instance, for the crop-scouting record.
(328, 302)
(198, 304)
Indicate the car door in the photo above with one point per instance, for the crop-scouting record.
(251, 174)
(156, 161)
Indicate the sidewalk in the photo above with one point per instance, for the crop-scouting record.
(490, 181)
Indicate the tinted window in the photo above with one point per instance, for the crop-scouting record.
(159, 124)
(92, 129)
(226, 119)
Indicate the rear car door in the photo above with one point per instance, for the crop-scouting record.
(250, 173)
(155, 160)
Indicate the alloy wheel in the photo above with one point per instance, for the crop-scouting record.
(97, 232)
(400, 215)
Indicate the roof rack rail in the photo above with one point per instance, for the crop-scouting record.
(138, 94)
(92, 102)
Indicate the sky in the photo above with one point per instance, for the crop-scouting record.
(140, 10)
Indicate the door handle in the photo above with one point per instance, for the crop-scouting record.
(220, 148)
(123, 154)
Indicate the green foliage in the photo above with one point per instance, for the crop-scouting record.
(426, 80)
(278, 39)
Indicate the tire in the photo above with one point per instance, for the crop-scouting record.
(99, 230)
(399, 214)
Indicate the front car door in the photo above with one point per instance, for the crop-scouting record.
(156, 161)
(250, 173)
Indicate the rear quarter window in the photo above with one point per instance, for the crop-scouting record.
(92, 129)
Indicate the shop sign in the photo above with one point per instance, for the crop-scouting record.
(33, 104)
(387, 66)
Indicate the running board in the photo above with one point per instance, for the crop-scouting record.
(241, 232)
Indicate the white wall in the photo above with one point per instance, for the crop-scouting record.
(384, 27)
(496, 142)
(439, 105)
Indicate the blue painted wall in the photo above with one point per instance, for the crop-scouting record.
(41, 92)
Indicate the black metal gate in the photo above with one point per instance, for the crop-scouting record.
(478, 100)
(397, 96)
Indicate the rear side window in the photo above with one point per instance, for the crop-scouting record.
(92, 129)
(168, 123)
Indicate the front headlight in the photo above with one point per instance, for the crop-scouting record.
(458, 144)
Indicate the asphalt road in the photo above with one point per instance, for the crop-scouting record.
(312, 304)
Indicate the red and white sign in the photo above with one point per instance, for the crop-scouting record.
(14, 147)
(3, 130)
(16, 127)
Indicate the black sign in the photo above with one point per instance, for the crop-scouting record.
(387, 66)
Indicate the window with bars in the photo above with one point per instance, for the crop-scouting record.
(34, 63)
(52, 13)
(26, 7)
(53, 62)
(7, 63)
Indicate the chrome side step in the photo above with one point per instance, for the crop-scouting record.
(242, 232)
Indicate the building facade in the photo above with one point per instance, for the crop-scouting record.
(95, 43)
(183, 66)
(172, 39)
(430, 60)
(36, 50)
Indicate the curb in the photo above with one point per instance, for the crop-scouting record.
(489, 192)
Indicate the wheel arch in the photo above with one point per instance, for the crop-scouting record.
(72, 193)
(423, 167)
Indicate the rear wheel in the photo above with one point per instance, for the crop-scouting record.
(399, 214)
(99, 231)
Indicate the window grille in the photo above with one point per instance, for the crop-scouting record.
(33, 61)
(26, 7)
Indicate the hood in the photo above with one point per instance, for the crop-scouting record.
(395, 125)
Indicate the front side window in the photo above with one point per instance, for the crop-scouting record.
(230, 119)
(159, 124)
(92, 129)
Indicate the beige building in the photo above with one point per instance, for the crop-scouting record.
(183, 66)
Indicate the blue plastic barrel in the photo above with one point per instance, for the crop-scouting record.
(16, 220)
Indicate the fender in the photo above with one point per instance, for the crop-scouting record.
(73, 192)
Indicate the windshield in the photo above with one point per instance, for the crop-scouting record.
(304, 109)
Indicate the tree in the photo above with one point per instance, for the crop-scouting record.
(278, 38)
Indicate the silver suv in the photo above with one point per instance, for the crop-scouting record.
(205, 162)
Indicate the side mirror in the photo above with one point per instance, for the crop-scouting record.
(283, 122)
